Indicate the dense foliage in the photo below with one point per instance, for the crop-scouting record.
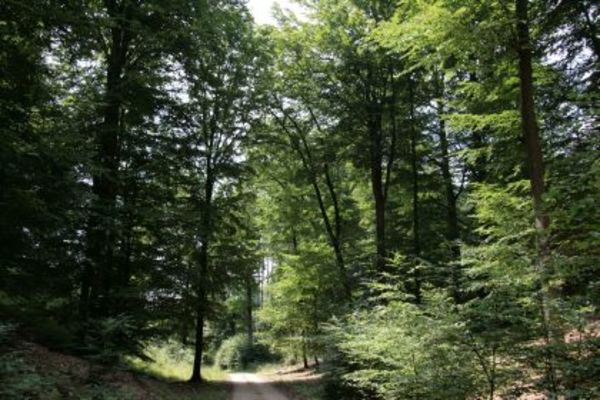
(403, 190)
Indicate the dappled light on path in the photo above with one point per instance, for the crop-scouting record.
(247, 386)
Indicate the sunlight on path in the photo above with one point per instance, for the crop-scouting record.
(252, 387)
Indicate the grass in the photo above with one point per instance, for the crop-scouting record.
(172, 362)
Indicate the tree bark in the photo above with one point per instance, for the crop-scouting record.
(535, 169)
(336, 236)
(374, 116)
(203, 268)
(249, 306)
(97, 276)
(304, 352)
(377, 186)
(531, 135)
(451, 211)
(415, 202)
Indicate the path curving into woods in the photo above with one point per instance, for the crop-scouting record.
(247, 386)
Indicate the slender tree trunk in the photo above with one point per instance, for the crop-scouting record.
(535, 169)
(380, 167)
(336, 237)
(333, 238)
(200, 313)
(304, 352)
(249, 304)
(202, 277)
(299, 144)
(451, 212)
(377, 187)
(415, 201)
(199, 342)
(376, 155)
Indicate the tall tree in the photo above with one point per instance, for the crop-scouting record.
(222, 92)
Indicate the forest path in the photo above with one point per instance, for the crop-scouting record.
(247, 386)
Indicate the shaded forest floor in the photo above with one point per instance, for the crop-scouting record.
(297, 382)
(32, 371)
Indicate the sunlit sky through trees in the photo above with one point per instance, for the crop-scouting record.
(262, 10)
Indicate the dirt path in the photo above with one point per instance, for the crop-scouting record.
(252, 387)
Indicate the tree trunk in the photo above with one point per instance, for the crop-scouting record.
(199, 343)
(202, 277)
(531, 135)
(336, 237)
(200, 312)
(535, 169)
(98, 271)
(451, 212)
(377, 187)
(376, 155)
(249, 303)
(299, 144)
(304, 355)
(415, 202)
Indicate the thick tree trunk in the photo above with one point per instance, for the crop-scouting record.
(97, 277)
(531, 135)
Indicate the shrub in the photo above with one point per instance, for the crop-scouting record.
(237, 352)
(231, 353)
(403, 351)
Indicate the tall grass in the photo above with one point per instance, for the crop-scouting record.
(172, 361)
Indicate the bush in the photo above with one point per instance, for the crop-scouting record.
(237, 352)
(403, 351)
(108, 339)
(231, 353)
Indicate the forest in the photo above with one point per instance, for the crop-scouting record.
(401, 197)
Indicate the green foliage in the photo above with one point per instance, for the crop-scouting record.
(21, 378)
(236, 353)
(108, 339)
(308, 390)
(171, 361)
(400, 350)
(17, 381)
(232, 353)
(354, 185)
